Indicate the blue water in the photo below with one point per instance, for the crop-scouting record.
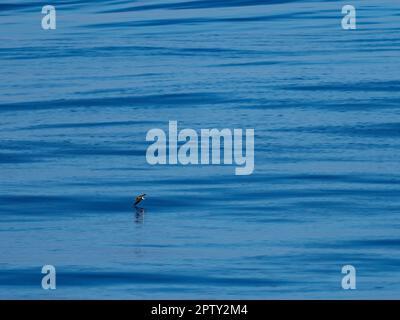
(76, 104)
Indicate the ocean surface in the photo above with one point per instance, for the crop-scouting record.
(77, 102)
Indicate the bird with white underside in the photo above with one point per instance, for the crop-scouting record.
(139, 199)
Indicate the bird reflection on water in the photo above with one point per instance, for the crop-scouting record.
(139, 215)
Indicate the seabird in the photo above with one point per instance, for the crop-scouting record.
(139, 199)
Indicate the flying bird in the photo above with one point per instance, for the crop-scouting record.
(139, 199)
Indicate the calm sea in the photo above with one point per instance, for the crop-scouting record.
(76, 104)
